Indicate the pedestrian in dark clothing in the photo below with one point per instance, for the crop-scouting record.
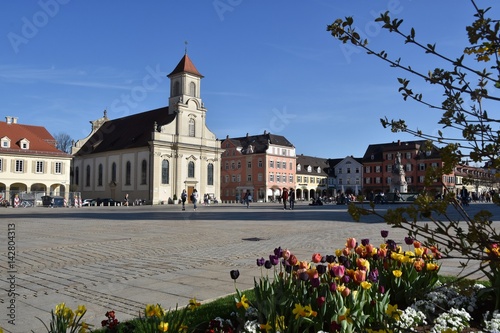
(183, 199)
(291, 198)
(284, 197)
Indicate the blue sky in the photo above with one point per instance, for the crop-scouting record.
(268, 65)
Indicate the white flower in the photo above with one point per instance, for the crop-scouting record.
(251, 326)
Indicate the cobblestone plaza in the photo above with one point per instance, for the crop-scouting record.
(122, 258)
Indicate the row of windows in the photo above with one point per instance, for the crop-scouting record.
(388, 180)
(40, 167)
(280, 164)
(23, 143)
(280, 178)
(311, 180)
(407, 167)
(348, 170)
(165, 173)
(348, 181)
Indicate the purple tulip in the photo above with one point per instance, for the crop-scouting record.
(384, 233)
(260, 262)
(278, 252)
(391, 244)
(321, 269)
(330, 258)
(373, 275)
(274, 259)
(346, 279)
(381, 289)
(408, 240)
(333, 286)
(234, 274)
(315, 282)
(304, 276)
(268, 264)
(365, 241)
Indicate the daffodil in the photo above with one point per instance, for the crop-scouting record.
(163, 327)
(393, 312)
(80, 311)
(243, 302)
(193, 304)
(345, 316)
(84, 327)
(298, 311)
(153, 311)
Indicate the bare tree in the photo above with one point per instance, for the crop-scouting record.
(63, 142)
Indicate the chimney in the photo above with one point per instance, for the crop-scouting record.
(14, 120)
(399, 142)
(8, 119)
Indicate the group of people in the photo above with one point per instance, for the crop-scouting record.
(288, 196)
(193, 198)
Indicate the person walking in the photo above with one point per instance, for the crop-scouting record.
(183, 199)
(284, 197)
(194, 198)
(246, 198)
(125, 200)
(291, 198)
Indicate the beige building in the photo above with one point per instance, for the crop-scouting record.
(30, 164)
(153, 155)
(311, 177)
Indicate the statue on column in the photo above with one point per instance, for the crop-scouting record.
(400, 183)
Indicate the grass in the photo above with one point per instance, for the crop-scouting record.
(199, 319)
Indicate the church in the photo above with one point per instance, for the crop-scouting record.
(154, 155)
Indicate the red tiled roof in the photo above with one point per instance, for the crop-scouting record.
(40, 140)
(185, 66)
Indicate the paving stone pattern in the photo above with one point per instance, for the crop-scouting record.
(122, 258)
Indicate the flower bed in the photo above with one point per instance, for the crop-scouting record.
(359, 288)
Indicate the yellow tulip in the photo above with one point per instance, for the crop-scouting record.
(366, 285)
(397, 273)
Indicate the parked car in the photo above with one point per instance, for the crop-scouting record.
(106, 202)
(89, 202)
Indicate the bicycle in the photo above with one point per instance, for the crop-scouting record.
(26, 204)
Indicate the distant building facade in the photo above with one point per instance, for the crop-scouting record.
(259, 164)
(152, 155)
(416, 157)
(345, 175)
(30, 162)
(311, 177)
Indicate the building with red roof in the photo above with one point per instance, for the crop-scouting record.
(30, 162)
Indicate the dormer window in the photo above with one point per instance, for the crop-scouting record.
(299, 167)
(5, 142)
(319, 170)
(309, 169)
(24, 143)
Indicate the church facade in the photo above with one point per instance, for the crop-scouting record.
(154, 155)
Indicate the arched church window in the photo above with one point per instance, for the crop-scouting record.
(144, 172)
(128, 173)
(87, 176)
(177, 89)
(191, 127)
(191, 169)
(192, 89)
(210, 174)
(113, 172)
(99, 175)
(164, 172)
